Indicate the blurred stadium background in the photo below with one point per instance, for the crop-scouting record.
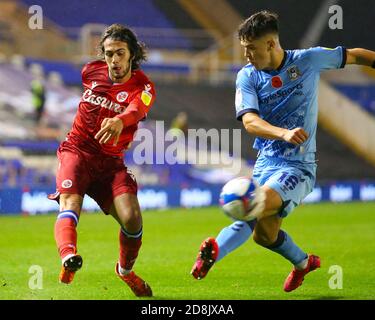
(193, 57)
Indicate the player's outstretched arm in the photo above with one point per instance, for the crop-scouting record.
(360, 56)
(261, 128)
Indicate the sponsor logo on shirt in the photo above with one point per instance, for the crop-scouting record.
(104, 102)
(295, 90)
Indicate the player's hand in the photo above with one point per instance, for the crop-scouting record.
(110, 128)
(296, 136)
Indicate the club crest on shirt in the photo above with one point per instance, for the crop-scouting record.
(122, 96)
(293, 73)
(276, 82)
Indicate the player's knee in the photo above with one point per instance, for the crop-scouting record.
(272, 202)
(131, 219)
(264, 239)
(128, 215)
(71, 202)
(127, 212)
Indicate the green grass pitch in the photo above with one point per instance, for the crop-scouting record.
(341, 234)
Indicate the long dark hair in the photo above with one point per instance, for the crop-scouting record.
(121, 33)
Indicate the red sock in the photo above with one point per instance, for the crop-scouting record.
(66, 233)
(129, 247)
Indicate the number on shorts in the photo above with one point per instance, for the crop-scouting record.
(290, 181)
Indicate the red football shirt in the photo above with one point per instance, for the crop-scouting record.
(101, 99)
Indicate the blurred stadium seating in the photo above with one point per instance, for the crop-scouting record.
(69, 73)
(363, 94)
(193, 60)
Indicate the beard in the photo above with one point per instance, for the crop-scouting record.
(118, 76)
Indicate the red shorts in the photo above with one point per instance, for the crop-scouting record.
(99, 176)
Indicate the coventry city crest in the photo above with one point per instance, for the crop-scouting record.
(293, 73)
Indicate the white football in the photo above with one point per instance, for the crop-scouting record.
(242, 199)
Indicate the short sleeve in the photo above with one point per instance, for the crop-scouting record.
(246, 97)
(84, 74)
(142, 100)
(323, 58)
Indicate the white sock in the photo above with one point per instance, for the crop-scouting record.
(123, 271)
(303, 264)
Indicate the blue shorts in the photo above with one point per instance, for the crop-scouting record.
(292, 180)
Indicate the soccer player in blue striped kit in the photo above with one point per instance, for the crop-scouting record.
(276, 100)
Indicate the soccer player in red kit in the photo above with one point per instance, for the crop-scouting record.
(117, 95)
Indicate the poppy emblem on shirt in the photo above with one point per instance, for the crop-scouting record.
(122, 96)
(276, 82)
